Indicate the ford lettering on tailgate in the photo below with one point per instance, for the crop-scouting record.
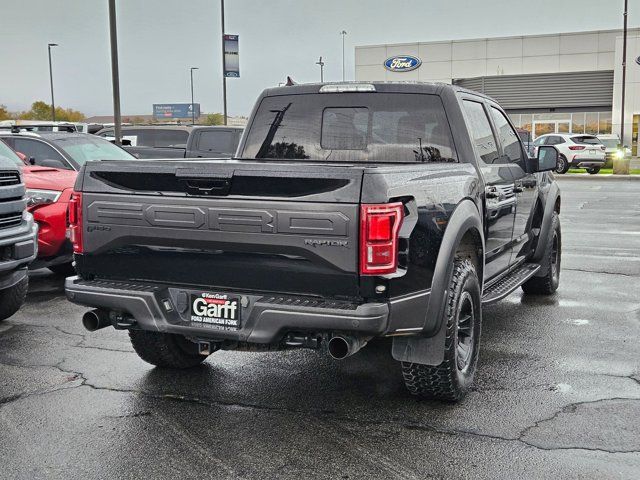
(220, 219)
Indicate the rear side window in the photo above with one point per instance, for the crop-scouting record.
(481, 132)
(351, 127)
(586, 140)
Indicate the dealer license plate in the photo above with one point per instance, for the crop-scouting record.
(216, 309)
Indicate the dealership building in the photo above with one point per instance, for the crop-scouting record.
(567, 82)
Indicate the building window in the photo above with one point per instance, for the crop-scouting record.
(591, 123)
(604, 123)
(577, 122)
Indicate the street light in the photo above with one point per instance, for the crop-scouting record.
(193, 109)
(624, 72)
(343, 33)
(53, 105)
(321, 63)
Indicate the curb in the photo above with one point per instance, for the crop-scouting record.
(588, 177)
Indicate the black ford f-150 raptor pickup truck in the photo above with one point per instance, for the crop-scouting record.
(350, 211)
(18, 235)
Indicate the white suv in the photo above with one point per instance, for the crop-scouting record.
(575, 151)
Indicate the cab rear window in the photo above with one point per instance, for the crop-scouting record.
(351, 127)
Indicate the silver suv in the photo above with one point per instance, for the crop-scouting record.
(575, 151)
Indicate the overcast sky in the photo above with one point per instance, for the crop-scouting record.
(160, 39)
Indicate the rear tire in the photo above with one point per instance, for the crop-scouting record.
(63, 269)
(550, 263)
(451, 380)
(563, 165)
(11, 299)
(593, 170)
(165, 350)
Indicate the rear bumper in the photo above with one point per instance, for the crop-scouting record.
(264, 318)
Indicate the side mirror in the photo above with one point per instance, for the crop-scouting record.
(125, 142)
(547, 158)
(53, 163)
(32, 160)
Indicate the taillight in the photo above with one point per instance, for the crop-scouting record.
(379, 227)
(75, 221)
(576, 147)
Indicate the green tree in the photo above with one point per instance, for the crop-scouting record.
(214, 119)
(42, 111)
(4, 113)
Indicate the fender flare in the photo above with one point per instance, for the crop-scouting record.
(549, 207)
(428, 347)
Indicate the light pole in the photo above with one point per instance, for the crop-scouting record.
(193, 108)
(53, 105)
(343, 33)
(624, 74)
(115, 75)
(224, 77)
(321, 63)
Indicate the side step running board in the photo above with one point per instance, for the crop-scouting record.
(509, 283)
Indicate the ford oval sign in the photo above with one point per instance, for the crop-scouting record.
(402, 63)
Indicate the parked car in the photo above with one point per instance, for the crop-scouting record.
(63, 150)
(49, 175)
(18, 234)
(575, 151)
(611, 143)
(353, 211)
(177, 141)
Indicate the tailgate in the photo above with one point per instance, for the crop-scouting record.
(250, 226)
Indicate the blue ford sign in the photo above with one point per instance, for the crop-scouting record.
(402, 63)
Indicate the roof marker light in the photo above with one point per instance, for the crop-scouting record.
(347, 87)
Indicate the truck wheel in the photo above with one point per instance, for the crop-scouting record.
(11, 299)
(165, 350)
(563, 165)
(63, 269)
(550, 263)
(452, 379)
(593, 170)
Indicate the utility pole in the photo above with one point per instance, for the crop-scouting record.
(53, 103)
(224, 77)
(193, 108)
(115, 75)
(624, 74)
(321, 63)
(343, 33)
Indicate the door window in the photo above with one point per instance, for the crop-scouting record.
(481, 132)
(508, 137)
(216, 141)
(38, 150)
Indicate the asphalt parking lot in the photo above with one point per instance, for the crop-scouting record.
(557, 393)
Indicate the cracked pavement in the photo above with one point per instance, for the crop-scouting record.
(557, 393)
